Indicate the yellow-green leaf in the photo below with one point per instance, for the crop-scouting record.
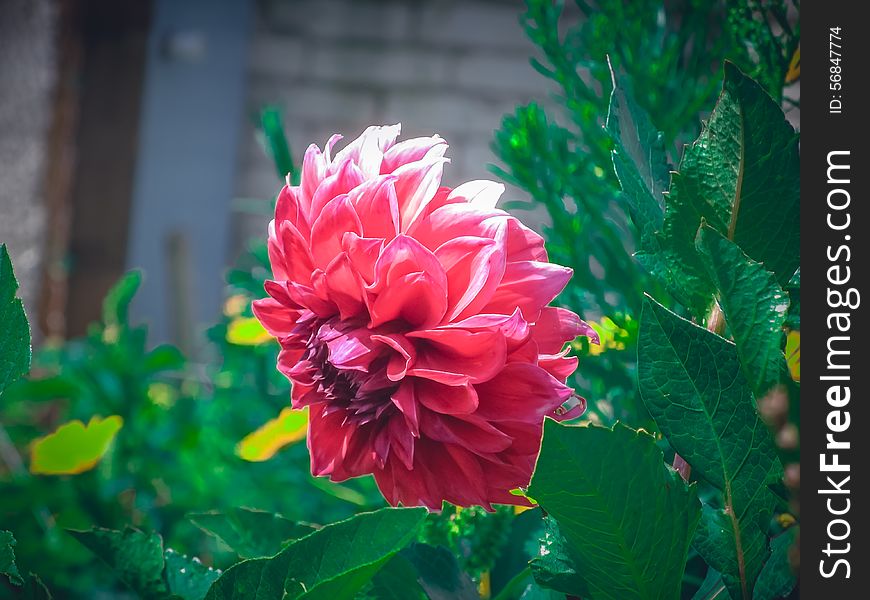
(74, 447)
(793, 354)
(247, 331)
(289, 427)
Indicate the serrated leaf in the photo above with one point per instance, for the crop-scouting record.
(136, 557)
(691, 382)
(754, 306)
(7, 558)
(15, 332)
(186, 577)
(777, 579)
(742, 176)
(627, 519)
(74, 448)
(250, 533)
(554, 568)
(289, 427)
(333, 562)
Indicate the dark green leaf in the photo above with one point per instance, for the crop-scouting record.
(117, 301)
(34, 589)
(250, 533)
(554, 567)
(187, 577)
(334, 562)
(712, 587)
(15, 332)
(793, 287)
(777, 578)
(163, 358)
(691, 382)
(397, 580)
(741, 176)
(136, 557)
(7, 558)
(627, 518)
(754, 306)
(439, 573)
(276, 143)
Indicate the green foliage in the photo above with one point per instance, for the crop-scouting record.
(312, 568)
(777, 579)
(671, 56)
(740, 176)
(627, 520)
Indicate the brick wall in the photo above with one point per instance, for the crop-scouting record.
(451, 67)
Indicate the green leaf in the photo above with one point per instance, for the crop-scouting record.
(187, 577)
(439, 574)
(777, 579)
(250, 533)
(754, 306)
(34, 589)
(626, 517)
(712, 587)
(554, 566)
(74, 447)
(691, 382)
(7, 558)
(135, 557)
(276, 144)
(116, 304)
(334, 562)
(397, 580)
(793, 287)
(742, 176)
(15, 332)
(139, 561)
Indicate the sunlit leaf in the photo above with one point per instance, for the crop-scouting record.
(247, 331)
(288, 428)
(74, 447)
(793, 354)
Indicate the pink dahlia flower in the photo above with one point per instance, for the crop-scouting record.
(413, 323)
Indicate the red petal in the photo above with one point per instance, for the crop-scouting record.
(521, 392)
(446, 399)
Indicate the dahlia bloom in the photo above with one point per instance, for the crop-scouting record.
(413, 323)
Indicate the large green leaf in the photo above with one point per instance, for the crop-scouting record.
(691, 383)
(777, 578)
(250, 533)
(626, 517)
(754, 306)
(14, 328)
(333, 562)
(742, 176)
(7, 558)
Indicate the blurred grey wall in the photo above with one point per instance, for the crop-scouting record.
(27, 72)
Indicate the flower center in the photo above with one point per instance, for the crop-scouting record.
(364, 395)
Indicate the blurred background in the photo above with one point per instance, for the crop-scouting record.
(130, 128)
(142, 144)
